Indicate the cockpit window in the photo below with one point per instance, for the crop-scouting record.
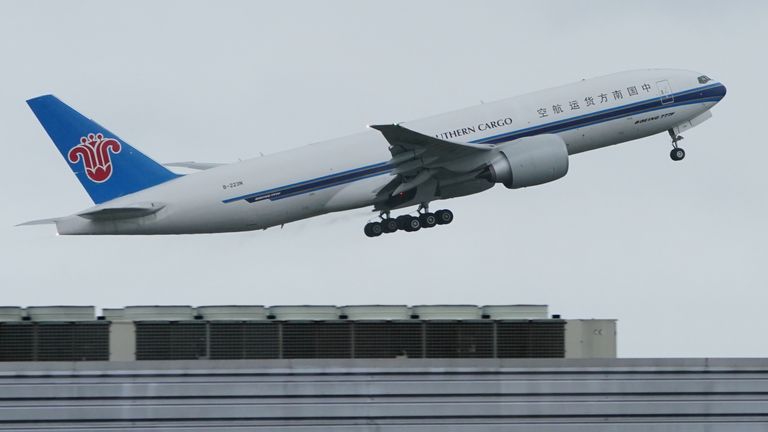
(704, 79)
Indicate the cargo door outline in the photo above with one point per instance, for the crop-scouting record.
(665, 92)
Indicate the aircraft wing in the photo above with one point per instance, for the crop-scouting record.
(408, 139)
(419, 158)
(406, 145)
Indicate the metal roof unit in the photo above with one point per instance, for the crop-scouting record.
(233, 313)
(509, 312)
(281, 312)
(11, 313)
(447, 312)
(159, 313)
(377, 312)
(312, 313)
(113, 314)
(61, 313)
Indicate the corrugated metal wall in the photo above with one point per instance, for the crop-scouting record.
(387, 395)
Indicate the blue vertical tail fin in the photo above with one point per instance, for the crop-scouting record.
(106, 166)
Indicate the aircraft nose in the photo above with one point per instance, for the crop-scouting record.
(714, 90)
(721, 90)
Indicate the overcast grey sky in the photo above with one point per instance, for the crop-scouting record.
(675, 251)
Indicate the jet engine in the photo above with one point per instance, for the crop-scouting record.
(529, 161)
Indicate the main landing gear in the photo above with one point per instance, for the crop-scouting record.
(408, 223)
(677, 153)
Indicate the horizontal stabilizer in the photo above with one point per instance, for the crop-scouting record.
(194, 165)
(116, 213)
(40, 222)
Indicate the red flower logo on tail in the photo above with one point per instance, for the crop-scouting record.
(94, 150)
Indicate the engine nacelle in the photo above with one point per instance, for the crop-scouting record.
(529, 161)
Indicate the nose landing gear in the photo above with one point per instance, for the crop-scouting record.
(677, 153)
(408, 223)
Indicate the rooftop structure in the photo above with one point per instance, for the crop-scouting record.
(76, 333)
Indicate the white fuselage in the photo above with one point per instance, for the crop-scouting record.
(346, 173)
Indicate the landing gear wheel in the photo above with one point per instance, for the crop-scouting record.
(413, 224)
(402, 222)
(444, 217)
(677, 154)
(389, 225)
(373, 229)
(428, 220)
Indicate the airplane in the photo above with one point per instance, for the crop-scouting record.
(517, 142)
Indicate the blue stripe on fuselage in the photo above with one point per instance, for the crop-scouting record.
(316, 183)
(710, 93)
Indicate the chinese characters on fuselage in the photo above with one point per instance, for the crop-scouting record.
(594, 100)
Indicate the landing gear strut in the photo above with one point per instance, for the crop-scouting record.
(408, 223)
(677, 153)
